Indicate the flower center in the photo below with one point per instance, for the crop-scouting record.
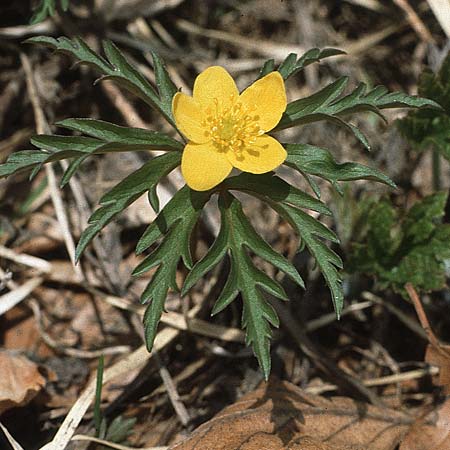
(232, 129)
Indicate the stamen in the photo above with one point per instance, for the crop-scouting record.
(233, 128)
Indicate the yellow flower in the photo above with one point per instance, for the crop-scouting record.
(226, 130)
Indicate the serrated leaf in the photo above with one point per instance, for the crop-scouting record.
(110, 132)
(269, 187)
(106, 138)
(280, 196)
(22, 160)
(399, 248)
(115, 67)
(174, 223)
(236, 238)
(291, 65)
(125, 193)
(319, 162)
(311, 231)
(269, 66)
(47, 8)
(329, 104)
(426, 129)
(165, 85)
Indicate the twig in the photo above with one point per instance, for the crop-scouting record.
(172, 392)
(345, 380)
(326, 319)
(432, 339)
(14, 444)
(82, 437)
(17, 293)
(43, 127)
(136, 360)
(380, 381)
(26, 260)
(407, 321)
(414, 20)
(177, 320)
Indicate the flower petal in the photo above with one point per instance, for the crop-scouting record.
(203, 167)
(188, 117)
(266, 98)
(215, 83)
(265, 155)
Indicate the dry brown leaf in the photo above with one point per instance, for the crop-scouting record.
(431, 432)
(20, 381)
(279, 415)
(440, 357)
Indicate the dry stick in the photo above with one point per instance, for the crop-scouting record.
(82, 437)
(21, 292)
(432, 339)
(17, 293)
(26, 260)
(42, 127)
(136, 360)
(177, 320)
(347, 381)
(415, 21)
(380, 381)
(172, 392)
(412, 324)
(14, 444)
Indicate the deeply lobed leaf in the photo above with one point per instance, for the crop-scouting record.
(117, 68)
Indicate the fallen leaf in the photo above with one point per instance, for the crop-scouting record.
(431, 432)
(280, 416)
(440, 357)
(20, 381)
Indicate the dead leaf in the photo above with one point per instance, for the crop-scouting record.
(440, 357)
(279, 415)
(20, 381)
(431, 432)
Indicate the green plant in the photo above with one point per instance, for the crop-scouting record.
(397, 248)
(431, 127)
(47, 8)
(168, 238)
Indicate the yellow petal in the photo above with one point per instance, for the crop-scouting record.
(265, 155)
(189, 117)
(215, 83)
(266, 98)
(203, 167)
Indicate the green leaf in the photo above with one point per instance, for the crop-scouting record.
(236, 237)
(22, 160)
(120, 429)
(330, 104)
(269, 66)
(47, 8)
(103, 137)
(165, 85)
(174, 224)
(125, 193)
(431, 128)
(283, 198)
(109, 132)
(404, 247)
(270, 188)
(319, 162)
(291, 65)
(115, 67)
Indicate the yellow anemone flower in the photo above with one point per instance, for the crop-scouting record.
(226, 129)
